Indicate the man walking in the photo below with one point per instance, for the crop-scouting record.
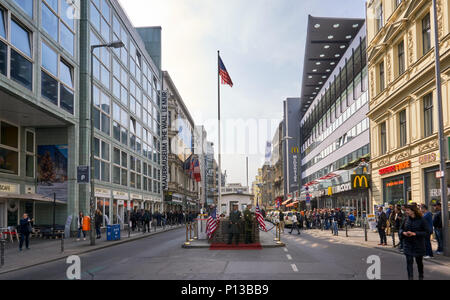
(428, 217)
(437, 224)
(25, 228)
(381, 225)
(282, 221)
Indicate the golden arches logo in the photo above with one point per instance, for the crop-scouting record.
(361, 180)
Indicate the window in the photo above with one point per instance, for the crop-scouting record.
(102, 160)
(26, 5)
(428, 115)
(21, 69)
(57, 23)
(30, 154)
(426, 34)
(403, 128)
(102, 113)
(379, 17)
(383, 138)
(401, 58)
(9, 149)
(57, 80)
(120, 171)
(381, 76)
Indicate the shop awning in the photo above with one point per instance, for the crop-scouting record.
(287, 201)
(292, 204)
(30, 197)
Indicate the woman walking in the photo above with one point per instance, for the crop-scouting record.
(414, 231)
(98, 223)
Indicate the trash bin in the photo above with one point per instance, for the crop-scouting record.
(113, 232)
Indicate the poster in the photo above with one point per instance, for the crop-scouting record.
(52, 171)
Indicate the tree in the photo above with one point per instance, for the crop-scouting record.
(47, 173)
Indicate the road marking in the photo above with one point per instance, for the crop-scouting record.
(285, 249)
(294, 267)
(289, 257)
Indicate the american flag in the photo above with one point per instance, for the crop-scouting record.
(211, 224)
(260, 219)
(226, 79)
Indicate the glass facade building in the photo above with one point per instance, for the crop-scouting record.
(45, 90)
(334, 127)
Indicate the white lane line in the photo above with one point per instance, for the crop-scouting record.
(285, 249)
(289, 257)
(294, 267)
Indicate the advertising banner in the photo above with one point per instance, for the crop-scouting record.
(52, 171)
(164, 140)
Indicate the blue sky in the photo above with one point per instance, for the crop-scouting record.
(262, 46)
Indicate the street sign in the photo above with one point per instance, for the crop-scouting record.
(440, 174)
(83, 175)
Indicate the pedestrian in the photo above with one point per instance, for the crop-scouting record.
(80, 222)
(295, 219)
(351, 219)
(133, 219)
(282, 224)
(381, 225)
(25, 228)
(437, 224)
(429, 219)
(414, 230)
(98, 223)
(398, 223)
(147, 219)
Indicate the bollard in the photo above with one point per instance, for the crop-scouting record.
(129, 230)
(62, 242)
(393, 237)
(276, 232)
(190, 232)
(365, 230)
(346, 229)
(2, 252)
(187, 237)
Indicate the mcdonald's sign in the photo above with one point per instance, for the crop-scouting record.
(360, 182)
(295, 150)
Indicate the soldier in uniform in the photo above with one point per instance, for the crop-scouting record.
(234, 228)
(249, 220)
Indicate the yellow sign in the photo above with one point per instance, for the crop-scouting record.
(295, 150)
(360, 181)
(330, 191)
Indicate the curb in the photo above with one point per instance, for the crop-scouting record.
(87, 251)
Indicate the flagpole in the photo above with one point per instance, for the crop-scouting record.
(220, 149)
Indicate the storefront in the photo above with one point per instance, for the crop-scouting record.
(433, 186)
(120, 207)
(103, 198)
(397, 189)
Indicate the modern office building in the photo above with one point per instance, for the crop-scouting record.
(334, 127)
(275, 172)
(403, 100)
(45, 92)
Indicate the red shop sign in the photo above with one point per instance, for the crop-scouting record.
(395, 168)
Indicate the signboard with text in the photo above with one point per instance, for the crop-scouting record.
(164, 140)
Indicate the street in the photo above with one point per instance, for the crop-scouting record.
(160, 257)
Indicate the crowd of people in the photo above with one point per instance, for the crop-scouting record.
(144, 220)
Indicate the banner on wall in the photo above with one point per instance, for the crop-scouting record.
(52, 171)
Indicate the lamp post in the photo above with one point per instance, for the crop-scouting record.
(117, 44)
(442, 144)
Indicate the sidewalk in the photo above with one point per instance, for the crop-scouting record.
(44, 251)
(356, 237)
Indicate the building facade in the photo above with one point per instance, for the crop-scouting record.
(183, 189)
(403, 101)
(45, 112)
(334, 126)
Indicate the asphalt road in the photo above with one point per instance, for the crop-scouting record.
(161, 257)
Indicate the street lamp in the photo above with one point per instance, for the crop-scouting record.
(116, 44)
(442, 144)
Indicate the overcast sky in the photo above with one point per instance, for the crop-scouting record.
(262, 46)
